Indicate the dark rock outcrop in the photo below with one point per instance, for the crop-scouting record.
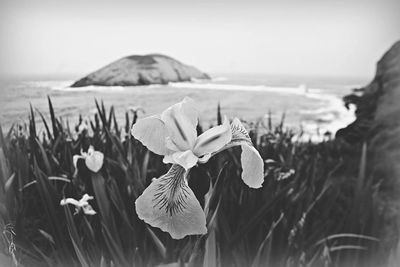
(142, 70)
(378, 108)
(378, 124)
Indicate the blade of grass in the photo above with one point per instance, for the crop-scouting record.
(264, 251)
(157, 242)
(51, 178)
(53, 119)
(103, 202)
(48, 199)
(45, 159)
(46, 126)
(75, 238)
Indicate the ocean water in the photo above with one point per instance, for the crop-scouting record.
(313, 104)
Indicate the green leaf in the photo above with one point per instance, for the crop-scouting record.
(114, 248)
(75, 237)
(211, 250)
(48, 198)
(264, 251)
(45, 159)
(157, 242)
(54, 121)
(45, 124)
(105, 212)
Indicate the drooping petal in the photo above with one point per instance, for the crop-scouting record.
(152, 133)
(186, 159)
(252, 163)
(75, 159)
(94, 161)
(169, 204)
(88, 210)
(181, 120)
(213, 139)
(252, 166)
(239, 133)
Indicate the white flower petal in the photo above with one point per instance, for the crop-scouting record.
(168, 159)
(82, 203)
(84, 200)
(252, 163)
(213, 139)
(85, 154)
(169, 204)
(71, 201)
(86, 197)
(252, 166)
(181, 120)
(94, 161)
(88, 210)
(171, 146)
(152, 133)
(83, 127)
(186, 159)
(188, 107)
(75, 159)
(89, 151)
(205, 158)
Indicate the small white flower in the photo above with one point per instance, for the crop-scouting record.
(169, 203)
(285, 175)
(83, 127)
(93, 159)
(81, 204)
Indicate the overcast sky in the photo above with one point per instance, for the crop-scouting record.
(308, 37)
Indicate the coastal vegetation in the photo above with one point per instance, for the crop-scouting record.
(318, 206)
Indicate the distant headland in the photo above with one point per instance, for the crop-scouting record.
(142, 70)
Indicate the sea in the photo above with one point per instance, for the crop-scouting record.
(312, 105)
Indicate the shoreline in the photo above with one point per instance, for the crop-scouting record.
(318, 110)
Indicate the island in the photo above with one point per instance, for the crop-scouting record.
(142, 70)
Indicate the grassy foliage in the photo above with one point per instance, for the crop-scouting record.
(317, 206)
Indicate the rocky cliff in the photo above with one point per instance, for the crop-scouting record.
(378, 108)
(142, 70)
(378, 124)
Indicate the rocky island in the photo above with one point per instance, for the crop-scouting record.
(141, 70)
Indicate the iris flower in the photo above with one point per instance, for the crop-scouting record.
(82, 127)
(93, 159)
(81, 204)
(168, 203)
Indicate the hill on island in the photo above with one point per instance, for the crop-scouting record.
(141, 70)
